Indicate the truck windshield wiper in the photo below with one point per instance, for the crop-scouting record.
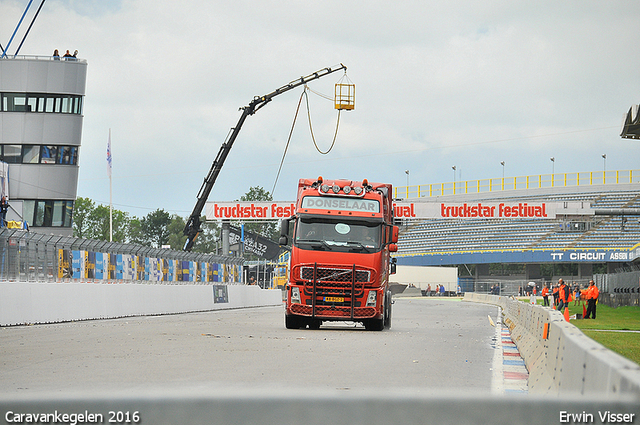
(360, 245)
(315, 242)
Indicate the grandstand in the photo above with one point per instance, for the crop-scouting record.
(602, 236)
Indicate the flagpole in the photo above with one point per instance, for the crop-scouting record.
(110, 192)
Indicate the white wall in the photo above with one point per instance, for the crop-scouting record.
(564, 361)
(421, 276)
(23, 303)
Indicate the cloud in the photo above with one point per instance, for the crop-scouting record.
(437, 84)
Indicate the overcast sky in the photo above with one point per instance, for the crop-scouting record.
(438, 84)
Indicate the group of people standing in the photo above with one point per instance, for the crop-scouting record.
(439, 290)
(67, 56)
(563, 294)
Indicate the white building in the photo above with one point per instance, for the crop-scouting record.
(41, 102)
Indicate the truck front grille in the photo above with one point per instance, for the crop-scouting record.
(334, 276)
(334, 312)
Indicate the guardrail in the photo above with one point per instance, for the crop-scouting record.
(315, 406)
(559, 357)
(38, 257)
(43, 58)
(540, 181)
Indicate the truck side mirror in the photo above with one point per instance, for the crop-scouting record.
(284, 232)
(394, 235)
(393, 265)
(393, 247)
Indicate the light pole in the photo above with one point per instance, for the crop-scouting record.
(407, 173)
(502, 163)
(604, 167)
(553, 169)
(454, 179)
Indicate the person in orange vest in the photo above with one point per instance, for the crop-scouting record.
(592, 298)
(545, 295)
(556, 295)
(563, 294)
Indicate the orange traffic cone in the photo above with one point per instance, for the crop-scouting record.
(566, 314)
(584, 311)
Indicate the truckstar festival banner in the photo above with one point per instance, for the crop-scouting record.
(513, 209)
(419, 210)
(252, 210)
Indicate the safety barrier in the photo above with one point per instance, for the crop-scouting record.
(313, 406)
(27, 303)
(48, 279)
(559, 357)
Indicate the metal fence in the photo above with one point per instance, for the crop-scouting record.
(589, 178)
(37, 257)
(619, 289)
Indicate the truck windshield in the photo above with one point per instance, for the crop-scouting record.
(337, 234)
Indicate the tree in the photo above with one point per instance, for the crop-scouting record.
(82, 208)
(99, 222)
(134, 232)
(155, 228)
(176, 238)
(208, 240)
(92, 222)
(267, 228)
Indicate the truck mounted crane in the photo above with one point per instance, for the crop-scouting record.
(193, 226)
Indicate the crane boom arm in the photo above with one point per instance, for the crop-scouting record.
(192, 227)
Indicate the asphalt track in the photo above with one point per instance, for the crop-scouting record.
(434, 343)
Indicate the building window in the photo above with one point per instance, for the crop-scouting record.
(47, 213)
(36, 154)
(30, 154)
(41, 102)
(12, 154)
(48, 154)
(68, 155)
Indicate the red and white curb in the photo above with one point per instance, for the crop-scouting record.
(509, 374)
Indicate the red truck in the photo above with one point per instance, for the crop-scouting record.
(341, 240)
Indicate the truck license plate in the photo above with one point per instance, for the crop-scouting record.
(334, 299)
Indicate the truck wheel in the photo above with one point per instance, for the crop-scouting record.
(374, 324)
(387, 312)
(314, 324)
(292, 322)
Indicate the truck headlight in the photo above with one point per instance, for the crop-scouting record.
(371, 299)
(295, 295)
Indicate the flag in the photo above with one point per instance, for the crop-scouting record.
(109, 159)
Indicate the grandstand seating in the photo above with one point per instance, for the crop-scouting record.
(471, 235)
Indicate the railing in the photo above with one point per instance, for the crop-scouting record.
(38, 257)
(587, 178)
(42, 58)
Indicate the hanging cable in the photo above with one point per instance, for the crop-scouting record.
(335, 135)
(287, 146)
(329, 98)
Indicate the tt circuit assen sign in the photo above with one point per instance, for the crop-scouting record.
(266, 210)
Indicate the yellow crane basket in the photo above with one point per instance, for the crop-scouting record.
(345, 94)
